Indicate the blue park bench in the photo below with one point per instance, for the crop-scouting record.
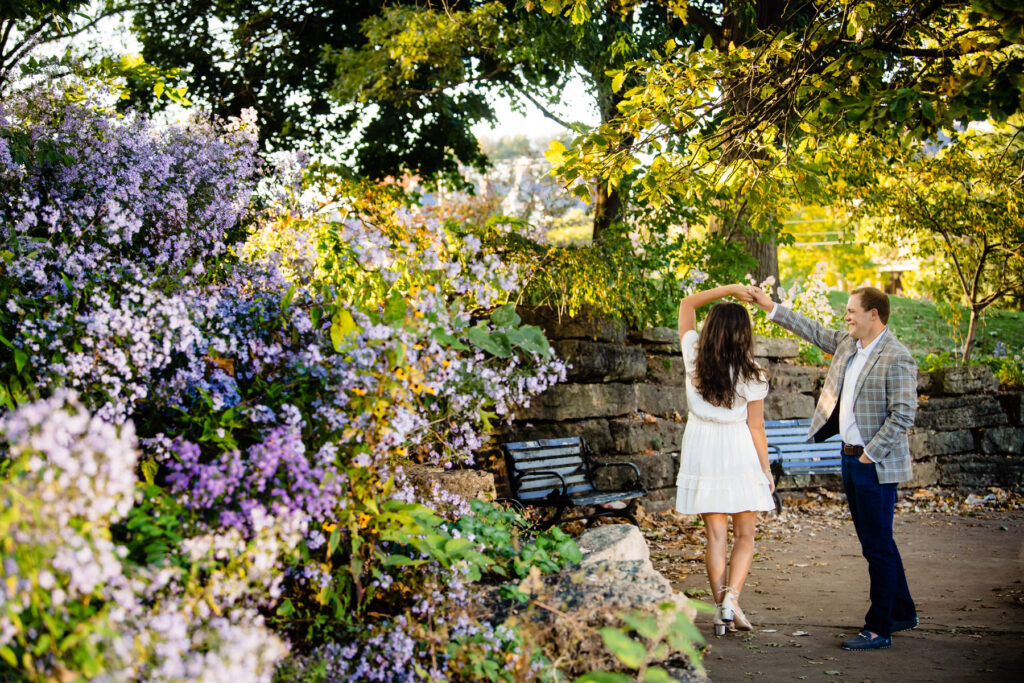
(559, 473)
(789, 453)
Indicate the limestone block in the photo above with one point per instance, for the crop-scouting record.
(663, 401)
(657, 335)
(1013, 405)
(577, 401)
(785, 405)
(977, 472)
(672, 349)
(583, 325)
(960, 412)
(927, 443)
(613, 543)
(925, 473)
(657, 470)
(640, 435)
(595, 432)
(803, 379)
(599, 362)
(1008, 440)
(776, 347)
(667, 370)
(465, 483)
(925, 382)
(966, 380)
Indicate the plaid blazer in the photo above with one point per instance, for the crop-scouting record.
(885, 397)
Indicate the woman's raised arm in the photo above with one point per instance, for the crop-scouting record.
(688, 306)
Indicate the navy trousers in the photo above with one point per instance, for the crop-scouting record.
(872, 506)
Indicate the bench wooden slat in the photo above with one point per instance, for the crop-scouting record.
(528, 456)
(542, 443)
(553, 463)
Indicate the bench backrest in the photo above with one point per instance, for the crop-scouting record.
(787, 445)
(568, 456)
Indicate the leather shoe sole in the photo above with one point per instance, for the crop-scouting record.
(905, 624)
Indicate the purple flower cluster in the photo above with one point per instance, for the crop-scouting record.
(126, 197)
(275, 474)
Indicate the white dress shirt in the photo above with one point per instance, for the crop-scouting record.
(848, 430)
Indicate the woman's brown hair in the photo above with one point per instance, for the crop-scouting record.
(725, 354)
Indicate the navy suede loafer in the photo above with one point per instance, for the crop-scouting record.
(905, 624)
(865, 640)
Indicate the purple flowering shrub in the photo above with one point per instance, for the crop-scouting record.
(70, 601)
(276, 398)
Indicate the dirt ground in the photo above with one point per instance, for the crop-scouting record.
(808, 591)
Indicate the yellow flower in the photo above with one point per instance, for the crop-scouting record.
(328, 527)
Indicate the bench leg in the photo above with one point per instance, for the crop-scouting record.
(778, 501)
(545, 525)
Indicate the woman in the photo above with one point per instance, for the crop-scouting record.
(723, 467)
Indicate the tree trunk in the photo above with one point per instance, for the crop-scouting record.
(972, 332)
(607, 209)
(766, 251)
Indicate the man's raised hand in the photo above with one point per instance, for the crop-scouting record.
(760, 298)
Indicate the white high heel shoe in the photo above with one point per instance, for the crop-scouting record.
(727, 609)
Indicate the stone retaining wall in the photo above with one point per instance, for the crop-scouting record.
(625, 395)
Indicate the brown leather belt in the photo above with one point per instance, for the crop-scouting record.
(850, 449)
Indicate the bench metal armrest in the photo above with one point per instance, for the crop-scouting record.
(546, 473)
(636, 472)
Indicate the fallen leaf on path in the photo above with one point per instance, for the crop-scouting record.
(799, 633)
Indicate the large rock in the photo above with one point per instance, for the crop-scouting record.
(668, 370)
(582, 325)
(662, 401)
(776, 347)
(642, 435)
(803, 379)
(577, 401)
(595, 432)
(927, 443)
(614, 543)
(960, 412)
(1008, 440)
(961, 380)
(657, 470)
(785, 405)
(465, 483)
(615, 576)
(598, 362)
(925, 382)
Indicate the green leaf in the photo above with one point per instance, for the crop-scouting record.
(448, 340)
(617, 81)
(529, 338)
(394, 309)
(398, 560)
(628, 651)
(342, 326)
(709, 43)
(603, 677)
(657, 675)
(158, 89)
(7, 654)
(20, 358)
(496, 344)
(149, 469)
(505, 315)
(457, 546)
(643, 624)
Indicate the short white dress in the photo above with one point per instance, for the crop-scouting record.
(718, 466)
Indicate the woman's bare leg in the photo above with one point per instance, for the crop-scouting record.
(716, 531)
(744, 525)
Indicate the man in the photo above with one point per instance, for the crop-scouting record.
(869, 399)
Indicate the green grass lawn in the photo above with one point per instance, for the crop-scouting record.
(919, 325)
